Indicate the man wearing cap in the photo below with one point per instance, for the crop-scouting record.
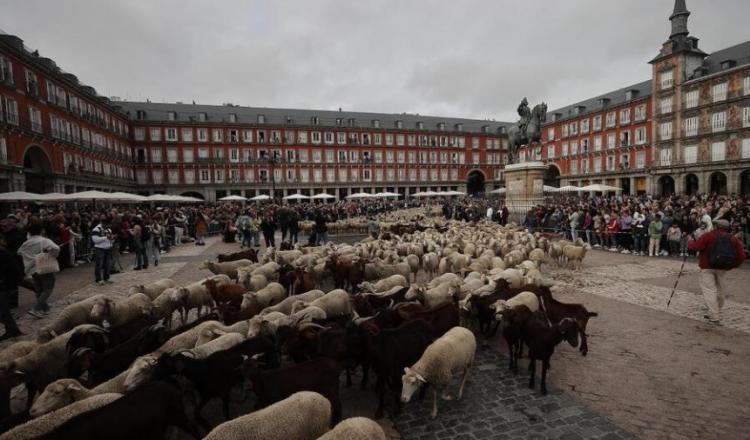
(713, 281)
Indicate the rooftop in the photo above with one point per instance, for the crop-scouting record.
(602, 102)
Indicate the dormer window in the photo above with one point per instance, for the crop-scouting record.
(261, 119)
(399, 124)
(314, 120)
(202, 117)
(485, 128)
(339, 122)
(604, 102)
(171, 116)
(140, 114)
(631, 95)
(376, 123)
(420, 125)
(728, 64)
(352, 122)
(232, 117)
(441, 126)
(459, 127)
(502, 130)
(289, 119)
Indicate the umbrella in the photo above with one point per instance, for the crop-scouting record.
(498, 191)
(322, 196)
(128, 197)
(98, 195)
(297, 196)
(387, 194)
(261, 197)
(161, 198)
(17, 196)
(233, 199)
(550, 189)
(454, 193)
(600, 188)
(569, 188)
(360, 195)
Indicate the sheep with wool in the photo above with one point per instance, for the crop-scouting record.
(154, 289)
(285, 306)
(575, 254)
(270, 295)
(355, 428)
(223, 342)
(335, 303)
(71, 316)
(228, 268)
(117, 311)
(385, 284)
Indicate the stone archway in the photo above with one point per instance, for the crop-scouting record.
(718, 183)
(475, 182)
(552, 176)
(692, 184)
(744, 186)
(37, 168)
(666, 186)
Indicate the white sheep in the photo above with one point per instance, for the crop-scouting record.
(223, 342)
(442, 294)
(255, 282)
(413, 262)
(228, 268)
(301, 416)
(385, 284)
(270, 270)
(334, 303)
(17, 350)
(117, 311)
(430, 262)
(257, 322)
(187, 339)
(270, 295)
(528, 299)
(306, 314)
(449, 278)
(40, 426)
(168, 302)
(60, 393)
(195, 296)
(575, 254)
(454, 351)
(285, 306)
(355, 428)
(140, 372)
(154, 289)
(71, 316)
(538, 257)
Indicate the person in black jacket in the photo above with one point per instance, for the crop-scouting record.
(14, 238)
(268, 226)
(9, 279)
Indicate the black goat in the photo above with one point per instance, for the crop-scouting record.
(542, 338)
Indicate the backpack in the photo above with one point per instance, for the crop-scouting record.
(722, 254)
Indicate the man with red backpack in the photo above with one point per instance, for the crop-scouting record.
(720, 251)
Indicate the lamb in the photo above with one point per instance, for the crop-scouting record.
(195, 296)
(528, 299)
(451, 352)
(335, 303)
(385, 284)
(40, 426)
(154, 289)
(537, 256)
(355, 428)
(575, 254)
(113, 312)
(221, 343)
(71, 316)
(285, 306)
(270, 295)
(302, 416)
(228, 268)
(430, 262)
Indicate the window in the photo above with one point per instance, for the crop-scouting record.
(202, 135)
(611, 119)
(718, 151)
(171, 116)
(218, 134)
(171, 155)
(584, 166)
(234, 155)
(690, 154)
(219, 175)
(719, 92)
(691, 126)
(205, 176)
(304, 175)
(610, 163)
(329, 156)
(261, 119)
(718, 121)
(573, 148)
(232, 118)
(625, 162)
(317, 156)
(597, 143)
(187, 154)
(171, 134)
(584, 126)
(746, 148)
(155, 134)
(746, 85)
(574, 167)
(399, 140)
(564, 151)
(640, 135)
(234, 135)
(187, 135)
(640, 112)
(218, 153)
(665, 131)
(377, 139)
(574, 128)
(289, 136)
(597, 164)
(261, 137)
(625, 116)
(475, 142)
(35, 117)
(6, 71)
(746, 117)
(550, 151)
(139, 133)
(691, 99)
(640, 159)
(666, 80)
(665, 105)
(366, 175)
(624, 138)
(551, 134)
(611, 140)
(584, 146)
(328, 137)
(315, 137)
(565, 130)
(32, 87)
(203, 153)
(597, 123)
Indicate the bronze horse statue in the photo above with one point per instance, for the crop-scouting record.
(533, 133)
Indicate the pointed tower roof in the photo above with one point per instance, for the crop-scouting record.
(679, 20)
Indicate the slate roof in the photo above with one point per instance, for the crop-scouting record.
(617, 97)
(740, 53)
(158, 112)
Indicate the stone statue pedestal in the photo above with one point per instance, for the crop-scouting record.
(524, 188)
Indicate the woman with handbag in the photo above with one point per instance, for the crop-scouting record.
(40, 264)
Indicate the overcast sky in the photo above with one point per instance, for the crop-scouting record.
(451, 58)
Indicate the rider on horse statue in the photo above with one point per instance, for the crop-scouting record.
(525, 113)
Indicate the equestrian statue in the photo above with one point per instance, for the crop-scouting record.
(527, 130)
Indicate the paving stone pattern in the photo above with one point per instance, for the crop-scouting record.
(498, 405)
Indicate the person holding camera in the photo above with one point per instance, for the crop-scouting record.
(102, 238)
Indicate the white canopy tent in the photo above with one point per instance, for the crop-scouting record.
(260, 197)
(601, 188)
(129, 197)
(498, 191)
(569, 188)
(101, 195)
(550, 189)
(361, 195)
(20, 196)
(233, 199)
(387, 194)
(454, 193)
(322, 196)
(426, 194)
(296, 197)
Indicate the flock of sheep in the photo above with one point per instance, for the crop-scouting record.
(106, 367)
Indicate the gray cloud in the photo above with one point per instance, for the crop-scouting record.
(470, 58)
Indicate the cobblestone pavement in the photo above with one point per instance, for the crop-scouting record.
(498, 405)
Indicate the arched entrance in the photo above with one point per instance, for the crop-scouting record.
(552, 176)
(666, 185)
(475, 182)
(745, 183)
(691, 184)
(37, 168)
(197, 195)
(718, 183)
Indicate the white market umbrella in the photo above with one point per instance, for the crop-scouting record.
(600, 188)
(233, 199)
(16, 196)
(498, 191)
(454, 193)
(387, 194)
(97, 195)
(322, 196)
(569, 188)
(260, 197)
(550, 189)
(296, 197)
(360, 195)
(128, 197)
(162, 198)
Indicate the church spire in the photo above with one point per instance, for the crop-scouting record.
(679, 20)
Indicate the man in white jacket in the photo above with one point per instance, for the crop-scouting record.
(102, 238)
(43, 283)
